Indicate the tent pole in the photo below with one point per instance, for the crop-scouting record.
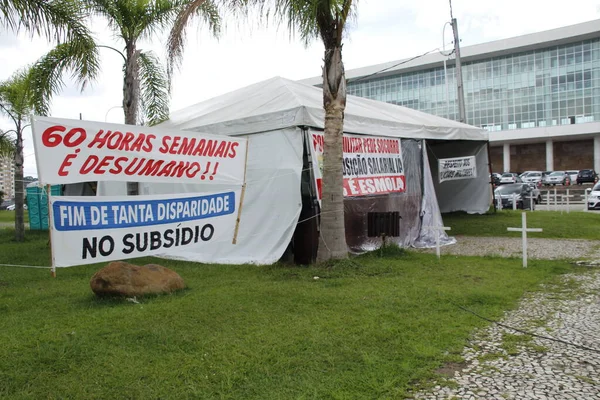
(423, 152)
(239, 215)
(490, 171)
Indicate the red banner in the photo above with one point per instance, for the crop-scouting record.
(371, 165)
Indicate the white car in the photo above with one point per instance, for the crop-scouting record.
(533, 177)
(509, 177)
(573, 175)
(13, 206)
(594, 198)
(524, 174)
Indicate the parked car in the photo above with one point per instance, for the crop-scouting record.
(587, 176)
(524, 174)
(573, 175)
(495, 177)
(509, 177)
(533, 177)
(522, 193)
(5, 204)
(594, 198)
(12, 207)
(556, 178)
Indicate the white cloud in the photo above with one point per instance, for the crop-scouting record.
(385, 30)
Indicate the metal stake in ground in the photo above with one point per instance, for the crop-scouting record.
(555, 201)
(524, 231)
(514, 199)
(438, 230)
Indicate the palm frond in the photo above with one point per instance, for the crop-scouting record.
(7, 144)
(61, 20)
(15, 95)
(205, 10)
(311, 18)
(133, 20)
(80, 58)
(154, 89)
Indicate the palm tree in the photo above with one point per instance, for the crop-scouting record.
(145, 82)
(325, 19)
(146, 85)
(17, 102)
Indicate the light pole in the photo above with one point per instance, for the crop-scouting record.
(112, 108)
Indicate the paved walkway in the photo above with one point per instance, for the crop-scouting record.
(501, 363)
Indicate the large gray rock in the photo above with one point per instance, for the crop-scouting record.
(123, 279)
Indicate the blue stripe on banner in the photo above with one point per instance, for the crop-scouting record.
(80, 216)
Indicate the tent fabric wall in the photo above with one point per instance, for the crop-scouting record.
(430, 211)
(470, 195)
(271, 205)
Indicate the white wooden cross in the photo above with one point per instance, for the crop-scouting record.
(567, 196)
(586, 193)
(531, 198)
(524, 231)
(438, 230)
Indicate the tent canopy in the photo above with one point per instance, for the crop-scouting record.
(280, 103)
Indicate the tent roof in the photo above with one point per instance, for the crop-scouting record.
(279, 103)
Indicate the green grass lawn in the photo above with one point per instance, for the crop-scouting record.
(371, 329)
(9, 216)
(575, 225)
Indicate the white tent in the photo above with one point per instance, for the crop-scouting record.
(277, 115)
(280, 103)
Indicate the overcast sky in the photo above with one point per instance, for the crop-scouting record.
(385, 30)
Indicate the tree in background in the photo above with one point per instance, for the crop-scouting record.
(17, 102)
(325, 19)
(145, 81)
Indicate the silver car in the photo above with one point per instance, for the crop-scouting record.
(556, 178)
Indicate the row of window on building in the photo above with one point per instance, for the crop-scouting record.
(554, 86)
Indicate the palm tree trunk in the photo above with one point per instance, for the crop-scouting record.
(19, 191)
(131, 96)
(131, 85)
(332, 243)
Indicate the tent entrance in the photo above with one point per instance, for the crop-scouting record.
(305, 240)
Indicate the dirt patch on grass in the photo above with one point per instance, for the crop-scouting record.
(450, 368)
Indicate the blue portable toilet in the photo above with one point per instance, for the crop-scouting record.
(37, 204)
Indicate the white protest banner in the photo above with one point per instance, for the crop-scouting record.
(457, 168)
(87, 230)
(371, 164)
(71, 151)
